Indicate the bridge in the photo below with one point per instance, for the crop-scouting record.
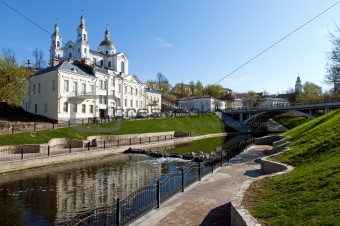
(243, 119)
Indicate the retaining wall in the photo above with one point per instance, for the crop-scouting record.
(240, 216)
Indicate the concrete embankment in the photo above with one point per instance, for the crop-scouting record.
(96, 155)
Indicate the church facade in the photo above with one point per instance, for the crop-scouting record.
(83, 83)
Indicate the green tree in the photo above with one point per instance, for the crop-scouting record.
(214, 90)
(312, 88)
(13, 79)
(311, 93)
(192, 87)
(199, 88)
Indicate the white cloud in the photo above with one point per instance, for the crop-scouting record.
(162, 43)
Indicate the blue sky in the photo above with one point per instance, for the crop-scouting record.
(190, 39)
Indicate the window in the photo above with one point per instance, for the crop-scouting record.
(70, 54)
(122, 67)
(65, 107)
(100, 84)
(35, 108)
(83, 88)
(104, 100)
(131, 90)
(131, 103)
(109, 63)
(83, 108)
(75, 88)
(58, 44)
(101, 63)
(113, 82)
(92, 89)
(125, 102)
(141, 104)
(75, 108)
(45, 108)
(136, 93)
(33, 89)
(118, 102)
(100, 99)
(125, 89)
(91, 108)
(85, 50)
(53, 85)
(119, 88)
(105, 85)
(136, 103)
(107, 52)
(78, 50)
(95, 61)
(66, 86)
(112, 94)
(39, 88)
(84, 37)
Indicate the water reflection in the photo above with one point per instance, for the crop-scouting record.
(49, 195)
(53, 197)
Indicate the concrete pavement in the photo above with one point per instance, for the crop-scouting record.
(208, 202)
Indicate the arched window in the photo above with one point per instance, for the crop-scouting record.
(107, 52)
(84, 37)
(109, 63)
(58, 44)
(122, 67)
(58, 56)
(70, 46)
(84, 50)
(101, 63)
(70, 54)
(94, 61)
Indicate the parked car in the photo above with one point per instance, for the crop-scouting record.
(142, 115)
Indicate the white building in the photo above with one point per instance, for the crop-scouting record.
(203, 103)
(270, 102)
(85, 83)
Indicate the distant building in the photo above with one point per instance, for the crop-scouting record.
(274, 102)
(181, 89)
(298, 86)
(234, 104)
(203, 103)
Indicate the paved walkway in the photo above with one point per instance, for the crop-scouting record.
(208, 202)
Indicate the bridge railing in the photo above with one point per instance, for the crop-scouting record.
(282, 105)
(145, 199)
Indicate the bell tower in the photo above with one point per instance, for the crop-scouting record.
(56, 51)
(82, 39)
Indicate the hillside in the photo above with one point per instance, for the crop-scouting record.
(310, 194)
(196, 125)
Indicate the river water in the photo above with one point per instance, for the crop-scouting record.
(49, 195)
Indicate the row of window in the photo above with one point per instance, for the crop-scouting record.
(75, 108)
(39, 87)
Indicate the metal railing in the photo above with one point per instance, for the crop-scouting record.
(34, 151)
(145, 199)
(282, 105)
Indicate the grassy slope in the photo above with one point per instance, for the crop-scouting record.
(291, 122)
(197, 125)
(310, 194)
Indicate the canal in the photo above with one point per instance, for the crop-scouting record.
(49, 195)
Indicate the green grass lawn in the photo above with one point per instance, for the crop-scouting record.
(292, 122)
(310, 194)
(196, 125)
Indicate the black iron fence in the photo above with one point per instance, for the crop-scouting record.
(33, 151)
(145, 199)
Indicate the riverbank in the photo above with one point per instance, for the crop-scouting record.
(95, 155)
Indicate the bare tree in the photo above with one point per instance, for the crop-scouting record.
(38, 55)
(332, 76)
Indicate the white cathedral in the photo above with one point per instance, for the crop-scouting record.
(106, 55)
(83, 83)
